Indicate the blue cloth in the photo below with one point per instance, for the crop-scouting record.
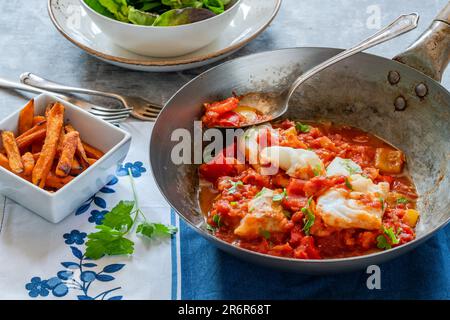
(209, 273)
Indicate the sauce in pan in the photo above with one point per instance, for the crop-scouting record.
(335, 192)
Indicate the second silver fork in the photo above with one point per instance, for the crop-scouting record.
(140, 108)
(114, 116)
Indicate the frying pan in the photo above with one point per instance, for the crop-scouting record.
(398, 100)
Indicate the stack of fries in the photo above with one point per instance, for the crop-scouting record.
(46, 152)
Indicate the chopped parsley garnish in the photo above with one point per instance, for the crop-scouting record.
(388, 238)
(309, 219)
(382, 203)
(280, 196)
(302, 127)
(351, 167)
(265, 234)
(402, 200)
(260, 193)
(210, 228)
(317, 170)
(348, 184)
(233, 203)
(234, 186)
(111, 237)
(217, 220)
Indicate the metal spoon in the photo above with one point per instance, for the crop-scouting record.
(275, 104)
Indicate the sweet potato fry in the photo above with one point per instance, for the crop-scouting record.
(92, 152)
(60, 147)
(56, 182)
(69, 147)
(76, 168)
(81, 153)
(26, 117)
(91, 161)
(12, 151)
(36, 147)
(28, 163)
(43, 165)
(37, 127)
(4, 162)
(28, 140)
(38, 119)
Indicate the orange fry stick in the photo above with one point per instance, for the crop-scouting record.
(12, 151)
(92, 152)
(91, 161)
(56, 182)
(43, 165)
(26, 117)
(28, 140)
(38, 119)
(76, 168)
(28, 163)
(67, 154)
(4, 162)
(60, 143)
(80, 149)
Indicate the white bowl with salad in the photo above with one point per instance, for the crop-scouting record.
(161, 28)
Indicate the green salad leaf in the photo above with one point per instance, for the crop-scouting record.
(159, 12)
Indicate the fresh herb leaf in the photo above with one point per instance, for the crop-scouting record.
(233, 203)
(119, 217)
(302, 127)
(151, 230)
(234, 186)
(107, 241)
(402, 200)
(210, 228)
(389, 237)
(217, 220)
(382, 204)
(110, 239)
(317, 170)
(382, 242)
(280, 196)
(265, 234)
(348, 184)
(309, 219)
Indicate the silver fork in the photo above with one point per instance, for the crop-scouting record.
(141, 108)
(113, 116)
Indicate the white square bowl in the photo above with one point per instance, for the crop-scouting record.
(56, 206)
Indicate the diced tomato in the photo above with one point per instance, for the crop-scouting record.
(223, 106)
(282, 250)
(229, 119)
(318, 185)
(221, 165)
(296, 187)
(307, 249)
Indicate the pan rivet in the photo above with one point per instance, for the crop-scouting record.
(393, 77)
(400, 103)
(421, 90)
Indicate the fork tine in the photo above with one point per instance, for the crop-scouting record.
(143, 116)
(110, 109)
(151, 112)
(153, 107)
(113, 118)
(110, 113)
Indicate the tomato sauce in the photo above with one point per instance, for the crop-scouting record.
(297, 231)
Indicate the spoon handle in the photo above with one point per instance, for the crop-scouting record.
(399, 26)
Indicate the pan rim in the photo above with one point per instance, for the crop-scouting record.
(267, 257)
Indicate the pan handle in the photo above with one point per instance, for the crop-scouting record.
(430, 54)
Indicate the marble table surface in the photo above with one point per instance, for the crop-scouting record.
(29, 42)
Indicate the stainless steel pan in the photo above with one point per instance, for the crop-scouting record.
(400, 102)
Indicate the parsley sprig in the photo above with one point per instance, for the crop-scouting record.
(388, 238)
(111, 237)
(309, 219)
(302, 127)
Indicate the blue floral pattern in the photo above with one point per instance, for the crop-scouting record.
(75, 237)
(137, 169)
(81, 274)
(97, 216)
